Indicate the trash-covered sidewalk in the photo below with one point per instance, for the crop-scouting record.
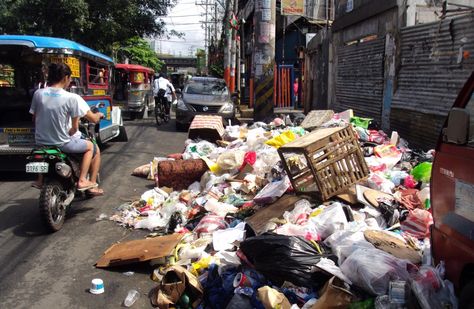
(322, 211)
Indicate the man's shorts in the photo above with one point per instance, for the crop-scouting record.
(78, 145)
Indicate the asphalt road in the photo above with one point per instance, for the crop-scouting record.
(40, 270)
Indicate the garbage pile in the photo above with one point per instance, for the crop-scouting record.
(233, 233)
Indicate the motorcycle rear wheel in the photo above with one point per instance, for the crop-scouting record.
(157, 113)
(50, 203)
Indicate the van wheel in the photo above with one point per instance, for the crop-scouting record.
(139, 115)
(466, 300)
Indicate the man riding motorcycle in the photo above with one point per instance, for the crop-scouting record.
(163, 87)
(56, 113)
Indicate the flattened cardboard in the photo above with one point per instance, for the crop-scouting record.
(258, 220)
(393, 245)
(316, 118)
(140, 250)
(349, 196)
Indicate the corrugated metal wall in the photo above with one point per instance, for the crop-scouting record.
(435, 61)
(360, 78)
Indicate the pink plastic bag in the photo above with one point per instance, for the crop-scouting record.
(209, 224)
(417, 224)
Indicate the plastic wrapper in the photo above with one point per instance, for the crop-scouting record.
(272, 191)
(388, 154)
(286, 258)
(197, 150)
(151, 222)
(307, 231)
(377, 181)
(218, 208)
(331, 219)
(373, 269)
(282, 139)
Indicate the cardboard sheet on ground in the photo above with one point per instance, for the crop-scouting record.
(134, 251)
(316, 118)
(258, 221)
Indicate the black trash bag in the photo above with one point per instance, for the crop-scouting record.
(283, 258)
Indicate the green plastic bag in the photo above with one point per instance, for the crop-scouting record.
(361, 122)
(422, 172)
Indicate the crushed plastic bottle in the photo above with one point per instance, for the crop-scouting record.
(131, 298)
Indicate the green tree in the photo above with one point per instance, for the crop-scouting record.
(95, 23)
(138, 51)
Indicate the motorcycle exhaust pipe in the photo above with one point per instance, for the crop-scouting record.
(63, 170)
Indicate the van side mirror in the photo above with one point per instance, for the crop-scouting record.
(457, 130)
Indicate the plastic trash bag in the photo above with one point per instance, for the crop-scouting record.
(300, 213)
(331, 219)
(373, 269)
(422, 172)
(431, 291)
(231, 160)
(286, 258)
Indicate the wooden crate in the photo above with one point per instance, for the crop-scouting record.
(326, 161)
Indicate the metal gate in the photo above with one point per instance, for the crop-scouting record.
(436, 59)
(360, 78)
(284, 78)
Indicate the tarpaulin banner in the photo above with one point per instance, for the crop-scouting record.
(292, 7)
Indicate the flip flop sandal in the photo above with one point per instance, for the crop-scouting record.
(99, 192)
(87, 187)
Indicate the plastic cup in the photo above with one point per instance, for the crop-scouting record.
(97, 286)
(131, 298)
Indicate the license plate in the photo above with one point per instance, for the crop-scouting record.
(37, 167)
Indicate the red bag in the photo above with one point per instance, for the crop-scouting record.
(417, 224)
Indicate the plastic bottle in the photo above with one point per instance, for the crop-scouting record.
(131, 298)
(426, 258)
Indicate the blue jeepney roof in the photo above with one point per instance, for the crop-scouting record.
(51, 43)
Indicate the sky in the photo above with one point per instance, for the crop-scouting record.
(185, 17)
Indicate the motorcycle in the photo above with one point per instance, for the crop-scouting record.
(60, 172)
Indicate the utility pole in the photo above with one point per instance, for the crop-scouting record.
(264, 58)
(233, 51)
(227, 59)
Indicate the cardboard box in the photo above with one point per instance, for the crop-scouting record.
(209, 128)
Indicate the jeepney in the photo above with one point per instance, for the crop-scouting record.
(24, 61)
(133, 89)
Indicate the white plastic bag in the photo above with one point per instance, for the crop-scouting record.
(330, 220)
(272, 191)
(373, 269)
(224, 239)
(299, 214)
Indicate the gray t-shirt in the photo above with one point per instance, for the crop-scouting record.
(53, 109)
